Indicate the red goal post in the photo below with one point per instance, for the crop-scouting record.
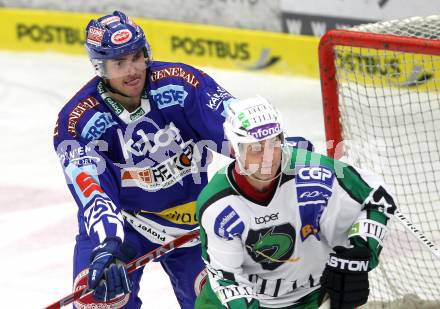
(381, 98)
(327, 66)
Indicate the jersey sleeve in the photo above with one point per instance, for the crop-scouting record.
(206, 111)
(92, 179)
(223, 253)
(358, 211)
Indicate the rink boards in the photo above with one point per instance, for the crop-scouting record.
(200, 45)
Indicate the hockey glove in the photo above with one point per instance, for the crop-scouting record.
(345, 277)
(107, 276)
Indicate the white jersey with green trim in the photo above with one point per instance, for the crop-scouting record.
(276, 250)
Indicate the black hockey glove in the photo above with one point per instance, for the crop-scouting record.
(345, 277)
(107, 276)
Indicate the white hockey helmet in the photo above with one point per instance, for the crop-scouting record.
(251, 120)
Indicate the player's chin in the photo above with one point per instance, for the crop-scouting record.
(267, 174)
(134, 89)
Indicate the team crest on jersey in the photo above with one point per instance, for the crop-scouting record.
(313, 190)
(272, 246)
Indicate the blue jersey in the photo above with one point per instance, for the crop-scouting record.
(150, 161)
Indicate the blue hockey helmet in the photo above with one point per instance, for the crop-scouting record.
(114, 36)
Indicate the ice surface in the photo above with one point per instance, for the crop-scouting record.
(37, 213)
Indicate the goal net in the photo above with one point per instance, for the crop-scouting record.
(381, 96)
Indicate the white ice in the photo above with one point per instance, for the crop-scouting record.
(37, 213)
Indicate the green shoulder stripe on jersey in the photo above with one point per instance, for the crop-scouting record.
(350, 180)
(347, 177)
(354, 185)
(204, 244)
(216, 188)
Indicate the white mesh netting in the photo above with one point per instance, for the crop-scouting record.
(390, 118)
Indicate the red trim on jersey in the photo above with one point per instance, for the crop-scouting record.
(249, 190)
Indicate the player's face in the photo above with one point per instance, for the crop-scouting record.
(263, 159)
(127, 74)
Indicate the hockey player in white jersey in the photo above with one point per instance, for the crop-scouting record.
(281, 227)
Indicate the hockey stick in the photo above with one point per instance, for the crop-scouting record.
(325, 304)
(418, 234)
(132, 266)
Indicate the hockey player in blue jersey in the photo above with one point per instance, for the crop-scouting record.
(132, 143)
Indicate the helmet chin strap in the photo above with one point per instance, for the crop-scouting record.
(250, 175)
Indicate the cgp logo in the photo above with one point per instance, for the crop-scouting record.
(315, 174)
